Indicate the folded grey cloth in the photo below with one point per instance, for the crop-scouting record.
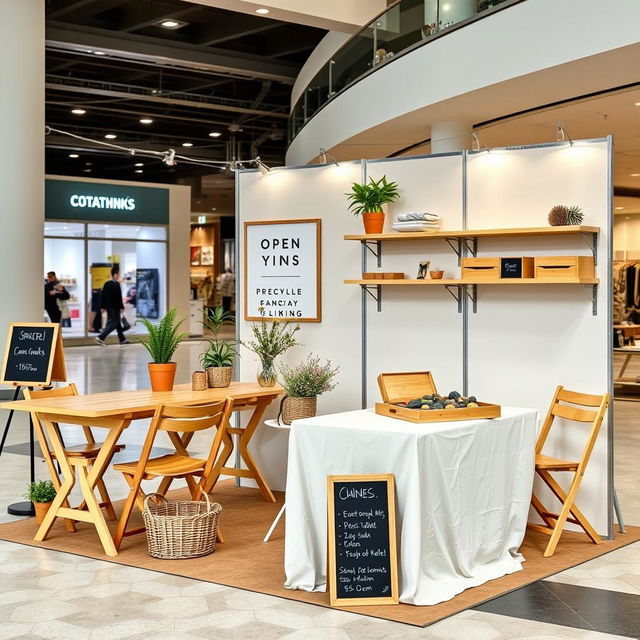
(429, 217)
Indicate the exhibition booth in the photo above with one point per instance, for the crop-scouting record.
(471, 359)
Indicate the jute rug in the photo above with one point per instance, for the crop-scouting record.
(245, 562)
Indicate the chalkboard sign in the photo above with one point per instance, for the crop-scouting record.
(516, 267)
(33, 355)
(363, 565)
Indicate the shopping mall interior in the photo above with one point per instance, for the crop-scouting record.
(226, 203)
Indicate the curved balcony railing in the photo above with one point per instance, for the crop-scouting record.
(404, 25)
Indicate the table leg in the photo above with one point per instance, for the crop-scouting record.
(625, 364)
(227, 448)
(274, 524)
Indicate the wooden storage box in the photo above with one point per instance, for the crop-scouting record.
(564, 267)
(402, 387)
(383, 275)
(480, 269)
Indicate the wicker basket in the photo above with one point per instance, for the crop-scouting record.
(180, 528)
(219, 377)
(298, 408)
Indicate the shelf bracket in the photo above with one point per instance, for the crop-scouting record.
(457, 244)
(456, 293)
(592, 242)
(471, 291)
(377, 296)
(377, 251)
(594, 299)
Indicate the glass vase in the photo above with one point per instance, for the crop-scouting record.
(267, 373)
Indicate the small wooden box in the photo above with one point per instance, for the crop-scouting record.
(480, 268)
(383, 275)
(402, 387)
(516, 268)
(564, 267)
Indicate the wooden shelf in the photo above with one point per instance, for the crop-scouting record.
(474, 233)
(459, 281)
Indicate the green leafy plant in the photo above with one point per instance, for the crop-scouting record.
(42, 491)
(163, 338)
(219, 353)
(309, 378)
(270, 339)
(369, 198)
(217, 319)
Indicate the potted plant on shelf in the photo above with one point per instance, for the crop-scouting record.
(271, 339)
(368, 200)
(41, 494)
(161, 343)
(218, 358)
(302, 384)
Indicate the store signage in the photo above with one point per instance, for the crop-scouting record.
(282, 270)
(94, 201)
(363, 563)
(33, 355)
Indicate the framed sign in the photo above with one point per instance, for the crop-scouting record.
(282, 270)
(363, 562)
(33, 355)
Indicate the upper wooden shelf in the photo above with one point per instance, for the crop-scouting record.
(475, 233)
(457, 281)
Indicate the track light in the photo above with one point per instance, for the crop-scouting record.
(476, 145)
(561, 134)
(169, 158)
(324, 154)
(264, 169)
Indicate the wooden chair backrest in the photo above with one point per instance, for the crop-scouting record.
(591, 416)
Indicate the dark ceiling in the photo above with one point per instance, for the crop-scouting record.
(221, 71)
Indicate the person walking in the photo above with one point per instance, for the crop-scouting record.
(54, 291)
(112, 303)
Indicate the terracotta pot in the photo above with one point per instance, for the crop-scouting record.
(219, 377)
(373, 222)
(41, 510)
(162, 376)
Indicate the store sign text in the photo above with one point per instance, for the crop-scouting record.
(102, 202)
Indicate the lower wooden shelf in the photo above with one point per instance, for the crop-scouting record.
(458, 281)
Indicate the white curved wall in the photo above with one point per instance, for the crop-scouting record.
(530, 54)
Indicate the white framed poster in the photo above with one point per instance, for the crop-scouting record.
(282, 270)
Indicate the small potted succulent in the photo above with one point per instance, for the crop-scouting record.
(161, 343)
(302, 384)
(41, 494)
(218, 358)
(368, 200)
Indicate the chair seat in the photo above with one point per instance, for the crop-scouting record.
(86, 450)
(169, 465)
(554, 464)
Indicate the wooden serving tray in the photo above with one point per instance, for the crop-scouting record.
(402, 387)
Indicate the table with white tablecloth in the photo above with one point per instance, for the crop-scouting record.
(462, 490)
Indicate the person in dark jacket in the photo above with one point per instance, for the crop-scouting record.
(51, 297)
(112, 303)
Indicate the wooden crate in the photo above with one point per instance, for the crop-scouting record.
(402, 387)
(480, 268)
(564, 267)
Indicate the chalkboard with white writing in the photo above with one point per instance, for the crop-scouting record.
(33, 354)
(362, 542)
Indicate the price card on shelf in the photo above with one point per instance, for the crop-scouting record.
(363, 566)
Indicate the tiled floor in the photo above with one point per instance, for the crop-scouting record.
(50, 595)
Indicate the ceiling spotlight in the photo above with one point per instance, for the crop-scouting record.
(146, 121)
(619, 208)
(171, 23)
(111, 136)
(169, 158)
(215, 134)
(86, 170)
(78, 112)
(187, 144)
(475, 142)
(324, 154)
(138, 171)
(74, 155)
(635, 175)
(264, 169)
(213, 209)
(561, 134)
(637, 104)
(262, 12)
(139, 164)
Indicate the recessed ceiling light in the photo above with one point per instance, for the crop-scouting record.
(74, 155)
(88, 164)
(146, 121)
(100, 53)
(187, 144)
(171, 23)
(213, 209)
(637, 104)
(86, 170)
(111, 136)
(262, 11)
(215, 134)
(635, 175)
(78, 112)
(619, 208)
(139, 164)
(139, 171)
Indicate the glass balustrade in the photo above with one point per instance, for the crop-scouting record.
(403, 25)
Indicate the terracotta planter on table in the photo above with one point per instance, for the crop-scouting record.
(162, 376)
(373, 221)
(41, 509)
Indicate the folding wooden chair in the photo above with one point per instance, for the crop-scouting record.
(180, 423)
(82, 453)
(554, 522)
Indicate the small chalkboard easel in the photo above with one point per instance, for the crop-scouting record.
(33, 357)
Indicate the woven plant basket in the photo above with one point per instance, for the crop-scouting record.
(218, 377)
(180, 529)
(298, 408)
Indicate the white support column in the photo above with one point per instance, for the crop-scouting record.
(450, 135)
(21, 161)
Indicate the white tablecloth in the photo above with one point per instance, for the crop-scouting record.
(462, 489)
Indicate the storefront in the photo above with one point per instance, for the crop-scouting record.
(91, 226)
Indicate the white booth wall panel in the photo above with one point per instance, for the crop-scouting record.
(525, 340)
(419, 328)
(314, 192)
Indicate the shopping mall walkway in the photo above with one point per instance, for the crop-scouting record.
(50, 595)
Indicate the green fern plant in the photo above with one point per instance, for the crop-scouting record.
(219, 353)
(369, 198)
(163, 339)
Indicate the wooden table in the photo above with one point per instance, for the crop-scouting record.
(628, 353)
(115, 411)
(628, 330)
